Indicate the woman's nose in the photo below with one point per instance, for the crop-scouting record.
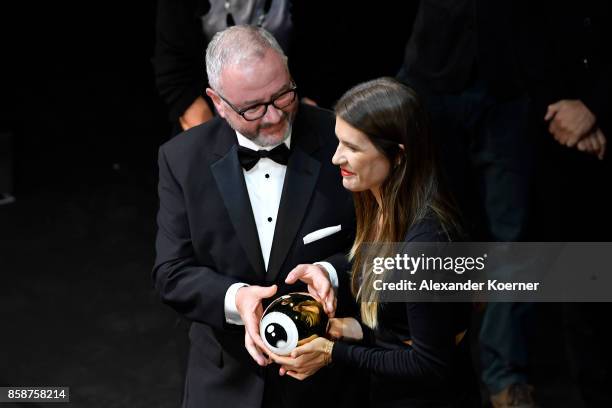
(337, 159)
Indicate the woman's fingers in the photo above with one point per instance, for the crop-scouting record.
(335, 329)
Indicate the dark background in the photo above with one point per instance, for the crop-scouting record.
(76, 304)
(78, 88)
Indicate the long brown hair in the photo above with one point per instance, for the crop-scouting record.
(390, 114)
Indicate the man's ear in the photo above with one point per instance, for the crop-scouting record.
(216, 100)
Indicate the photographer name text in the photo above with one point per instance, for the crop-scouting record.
(430, 285)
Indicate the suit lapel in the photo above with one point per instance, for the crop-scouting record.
(230, 181)
(300, 182)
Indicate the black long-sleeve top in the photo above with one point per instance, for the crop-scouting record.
(180, 72)
(433, 369)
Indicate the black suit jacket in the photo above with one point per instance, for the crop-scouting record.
(207, 240)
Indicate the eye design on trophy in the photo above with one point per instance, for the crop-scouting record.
(275, 335)
(290, 321)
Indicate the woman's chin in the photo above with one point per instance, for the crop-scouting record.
(350, 185)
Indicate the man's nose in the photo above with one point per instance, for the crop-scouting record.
(273, 115)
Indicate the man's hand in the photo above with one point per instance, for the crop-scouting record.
(309, 101)
(570, 121)
(248, 304)
(319, 285)
(594, 143)
(197, 113)
(306, 359)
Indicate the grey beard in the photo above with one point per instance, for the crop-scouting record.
(261, 141)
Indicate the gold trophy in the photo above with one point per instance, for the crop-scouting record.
(290, 321)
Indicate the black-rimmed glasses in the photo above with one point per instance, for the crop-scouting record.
(258, 111)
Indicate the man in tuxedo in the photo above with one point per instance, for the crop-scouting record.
(237, 196)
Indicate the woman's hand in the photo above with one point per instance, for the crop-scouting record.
(345, 328)
(306, 359)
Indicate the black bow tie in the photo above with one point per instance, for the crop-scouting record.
(249, 158)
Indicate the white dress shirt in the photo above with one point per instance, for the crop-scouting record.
(264, 184)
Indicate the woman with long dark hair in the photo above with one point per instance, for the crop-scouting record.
(417, 353)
